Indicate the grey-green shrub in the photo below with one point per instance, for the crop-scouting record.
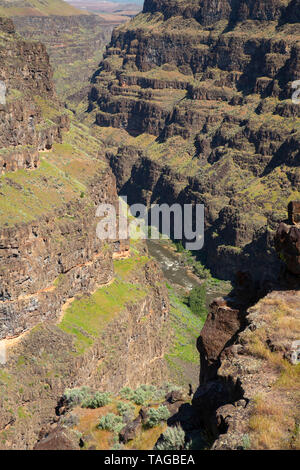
(70, 420)
(125, 408)
(140, 397)
(111, 422)
(172, 439)
(246, 441)
(171, 388)
(155, 416)
(143, 394)
(126, 393)
(98, 400)
(76, 396)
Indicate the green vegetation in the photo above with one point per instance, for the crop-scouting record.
(186, 326)
(102, 425)
(172, 439)
(125, 409)
(156, 415)
(111, 422)
(127, 393)
(190, 260)
(76, 396)
(38, 8)
(87, 316)
(179, 247)
(142, 395)
(197, 301)
(98, 400)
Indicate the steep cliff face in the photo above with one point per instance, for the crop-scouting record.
(287, 240)
(252, 401)
(45, 233)
(203, 92)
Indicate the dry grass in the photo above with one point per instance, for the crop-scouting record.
(88, 420)
(147, 438)
(104, 440)
(275, 418)
(270, 424)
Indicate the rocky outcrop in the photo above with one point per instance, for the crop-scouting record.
(224, 321)
(227, 318)
(7, 25)
(59, 439)
(12, 159)
(231, 382)
(287, 240)
(265, 341)
(252, 331)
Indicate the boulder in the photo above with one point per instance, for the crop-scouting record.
(287, 244)
(130, 431)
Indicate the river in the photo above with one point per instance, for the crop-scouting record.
(177, 274)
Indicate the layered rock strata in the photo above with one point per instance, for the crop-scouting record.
(202, 95)
(287, 240)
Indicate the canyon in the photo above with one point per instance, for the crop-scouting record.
(202, 93)
(192, 103)
(75, 46)
(74, 39)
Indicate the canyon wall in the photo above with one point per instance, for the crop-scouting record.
(202, 95)
(58, 243)
(74, 309)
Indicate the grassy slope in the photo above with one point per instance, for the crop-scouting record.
(87, 316)
(183, 357)
(63, 176)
